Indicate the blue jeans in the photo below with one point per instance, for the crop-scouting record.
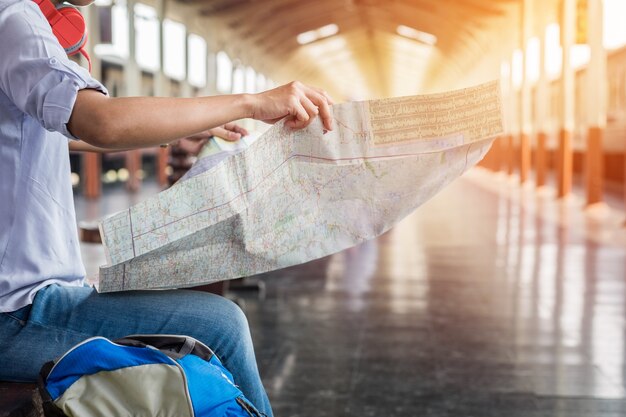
(62, 316)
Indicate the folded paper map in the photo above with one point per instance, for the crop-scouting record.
(289, 197)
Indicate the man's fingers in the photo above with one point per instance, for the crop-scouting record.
(318, 99)
(323, 93)
(314, 104)
(241, 130)
(233, 136)
(310, 107)
(228, 135)
(324, 111)
(311, 112)
(233, 127)
(298, 111)
(296, 101)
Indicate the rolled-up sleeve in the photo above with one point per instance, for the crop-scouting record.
(35, 73)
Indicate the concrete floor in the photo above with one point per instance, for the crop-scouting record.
(490, 300)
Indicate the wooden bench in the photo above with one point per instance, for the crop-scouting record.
(16, 400)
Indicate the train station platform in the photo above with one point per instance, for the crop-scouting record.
(492, 299)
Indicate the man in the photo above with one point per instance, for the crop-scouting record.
(45, 99)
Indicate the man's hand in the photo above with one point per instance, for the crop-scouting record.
(230, 132)
(193, 144)
(298, 102)
(139, 122)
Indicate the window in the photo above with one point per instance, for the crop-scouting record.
(553, 52)
(317, 34)
(614, 27)
(238, 80)
(146, 37)
(517, 70)
(533, 53)
(118, 46)
(250, 80)
(260, 82)
(224, 72)
(197, 60)
(174, 49)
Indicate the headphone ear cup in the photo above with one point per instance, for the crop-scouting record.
(70, 30)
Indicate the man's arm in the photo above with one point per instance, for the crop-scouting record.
(230, 132)
(137, 122)
(80, 146)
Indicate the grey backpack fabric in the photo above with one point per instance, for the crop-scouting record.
(141, 375)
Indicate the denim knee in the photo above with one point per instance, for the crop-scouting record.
(233, 321)
(237, 317)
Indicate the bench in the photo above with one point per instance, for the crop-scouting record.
(16, 400)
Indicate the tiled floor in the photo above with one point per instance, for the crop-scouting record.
(490, 300)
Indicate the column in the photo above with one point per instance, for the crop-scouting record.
(491, 160)
(525, 104)
(211, 72)
(132, 81)
(514, 122)
(502, 142)
(161, 83)
(509, 111)
(186, 90)
(236, 64)
(91, 162)
(161, 89)
(564, 152)
(596, 104)
(541, 107)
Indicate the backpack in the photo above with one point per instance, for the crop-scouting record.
(141, 375)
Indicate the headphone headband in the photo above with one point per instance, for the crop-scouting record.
(68, 26)
(48, 9)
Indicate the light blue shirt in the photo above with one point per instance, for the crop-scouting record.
(38, 86)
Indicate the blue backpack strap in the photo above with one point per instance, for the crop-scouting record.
(249, 408)
(49, 408)
(174, 346)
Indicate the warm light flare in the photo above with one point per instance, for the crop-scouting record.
(614, 27)
(517, 69)
(417, 35)
(532, 60)
(317, 34)
(553, 55)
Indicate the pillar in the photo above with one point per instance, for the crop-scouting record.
(596, 104)
(132, 81)
(511, 118)
(186, 89)
(495, 155)
(510, 154)
(541, 108)
(541, 159)
(564, 152)
(132, 73)
(161, 83)
(90, 161)
(161, 89)
(211, 72)
(525, 104)
(504, 141)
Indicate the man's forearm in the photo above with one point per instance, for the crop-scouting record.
(137, 122)
(81, 146)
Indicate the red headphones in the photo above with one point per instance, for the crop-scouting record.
(68, 25)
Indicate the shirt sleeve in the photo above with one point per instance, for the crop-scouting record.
(35, 73)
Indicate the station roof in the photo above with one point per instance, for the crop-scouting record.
(363, 49)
